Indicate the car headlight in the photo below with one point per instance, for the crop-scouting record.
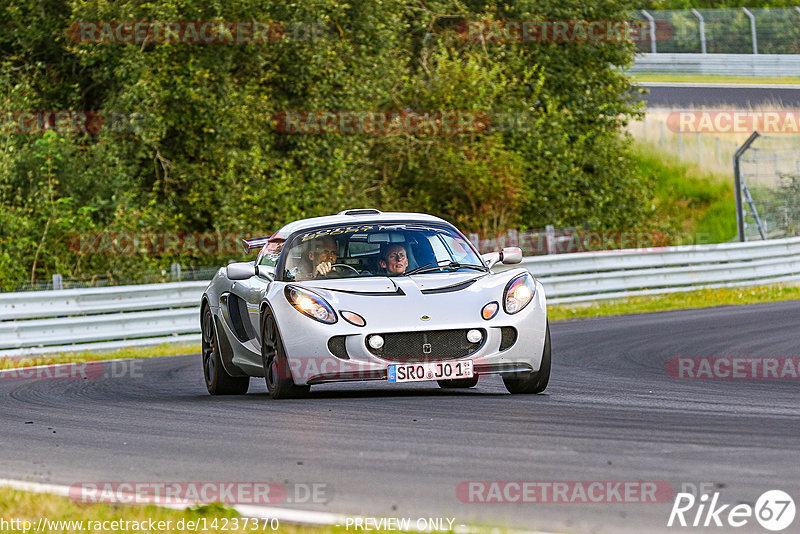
(310, 304)
(518, 293)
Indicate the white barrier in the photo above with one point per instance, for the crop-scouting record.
(756, 65)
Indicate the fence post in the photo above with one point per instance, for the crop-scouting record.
(702, 30)
(58, 282)
(737, 183)
(652, 31)
(752, 29)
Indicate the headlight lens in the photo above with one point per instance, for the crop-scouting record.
(310, 304)
(518, 294)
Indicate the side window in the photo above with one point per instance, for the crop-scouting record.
(271, 253)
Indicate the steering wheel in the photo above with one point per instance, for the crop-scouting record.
(335, 265)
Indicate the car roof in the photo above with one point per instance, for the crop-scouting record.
(356, 216)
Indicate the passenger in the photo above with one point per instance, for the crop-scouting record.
(394, 259)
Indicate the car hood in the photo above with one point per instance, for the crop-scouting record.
(386, 284)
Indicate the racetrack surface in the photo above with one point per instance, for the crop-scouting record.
(688, 96)
(611, 413)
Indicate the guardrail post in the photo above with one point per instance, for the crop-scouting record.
(58, 282)
(702, 30)
(652, 31)
(752, 29)
(175, 271)
(550, 238)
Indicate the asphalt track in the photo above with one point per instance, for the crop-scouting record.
(679, 95)
(611, 413)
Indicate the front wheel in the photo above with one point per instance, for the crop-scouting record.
(534, 381)
(277, 373)
(218, 381)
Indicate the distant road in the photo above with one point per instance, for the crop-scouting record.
(679, 95)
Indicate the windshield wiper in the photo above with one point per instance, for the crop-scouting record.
(449, 264)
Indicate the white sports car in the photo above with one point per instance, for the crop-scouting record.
(365, 295)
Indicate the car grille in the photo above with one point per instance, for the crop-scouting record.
(428, 345)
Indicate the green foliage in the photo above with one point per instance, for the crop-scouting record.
(200, 151)
(689, 205)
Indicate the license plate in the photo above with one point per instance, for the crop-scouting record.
(419, 372)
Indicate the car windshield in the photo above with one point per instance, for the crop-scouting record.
(400, 249)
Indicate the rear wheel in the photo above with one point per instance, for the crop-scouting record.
(277, 373)
(534, 381)
(218, 381)
(458, 383)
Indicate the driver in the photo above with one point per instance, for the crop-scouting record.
(394, 259)
(322, 256)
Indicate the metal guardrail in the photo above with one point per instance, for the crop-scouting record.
(36, 322)
(106, 318)
(756, 65)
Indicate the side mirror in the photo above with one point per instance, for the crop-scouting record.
(242, 270)
(511, 255)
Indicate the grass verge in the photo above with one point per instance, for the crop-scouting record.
(702, 298)
(691, 205)
(167, 349)
(711, 78)
(31, 507)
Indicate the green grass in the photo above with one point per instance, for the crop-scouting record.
(33, 506)
(167, 349)
(702, 298)
(711, 78)
(691, 205)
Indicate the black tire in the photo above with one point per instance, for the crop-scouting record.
(277, 373)
(218, 381)
(535, 381)
(459, 383)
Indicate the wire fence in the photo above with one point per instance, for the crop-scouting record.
(770, 172)
(175, 274)
(722, 31)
